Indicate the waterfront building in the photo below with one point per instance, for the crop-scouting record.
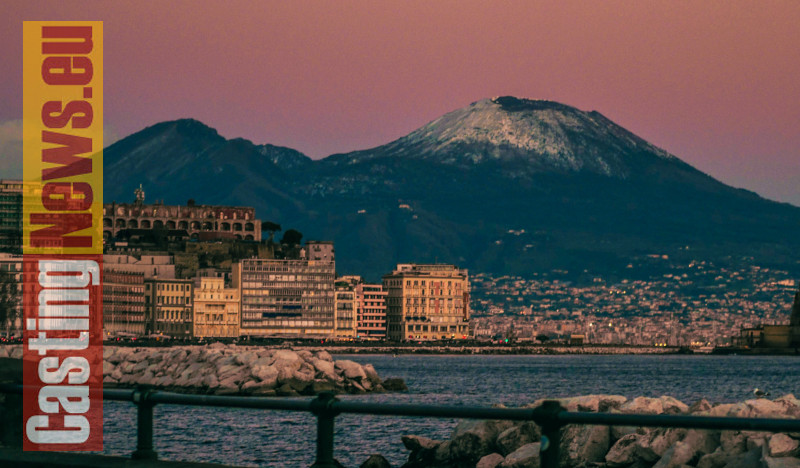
(371, 311)
(293, 297)
(123, 302)
(427, 302)
(11, 266)
(124, 293)
(216, 308)
(168, 306)
(199, 221)
(11, 216)
(345, 305)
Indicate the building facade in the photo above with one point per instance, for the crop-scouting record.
(149, 265)
(124, 290)
(11, 216)
(427, 302)
(224, 221)
(345, 305)
(216, 309)
(371, 311)
(123, 302)
(11, 293)
(286, 297)
(168, 305)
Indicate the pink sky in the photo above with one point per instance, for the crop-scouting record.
(715, 83)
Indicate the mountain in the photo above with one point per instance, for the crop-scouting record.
(503, 186)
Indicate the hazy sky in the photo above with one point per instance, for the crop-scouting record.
(716, 83)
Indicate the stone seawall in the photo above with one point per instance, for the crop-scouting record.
(235, 370)
(505, 444)
(515, 350)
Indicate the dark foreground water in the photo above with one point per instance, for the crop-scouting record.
(284, 439)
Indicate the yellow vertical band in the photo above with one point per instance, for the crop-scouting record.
(62, 137)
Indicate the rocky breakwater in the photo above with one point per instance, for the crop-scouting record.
(237, 370)
(505, 444)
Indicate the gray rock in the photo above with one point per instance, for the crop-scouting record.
(781, 445)
(266, 374)
(717, 459)
(700, 406)
(350, 369)
(652, 446)
(472, 439)
(412, 442)
(372, 374)
(623, 453)
(286, 390)
(584, 444)
(108, 368)
(376, 461)
(493, 460)
(733, 442)
(515, 437)
(594, 403)
(676, 456)
(788, 462)
(526, 456)
(326, 367)
(661, 405)
(395, 385)
(321, 385)
(324, 355)
(245, 359)
(751, 459)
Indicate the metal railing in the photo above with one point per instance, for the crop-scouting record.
(550, 416)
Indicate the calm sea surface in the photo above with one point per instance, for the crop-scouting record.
(282, 439)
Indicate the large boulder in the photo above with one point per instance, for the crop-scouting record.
(493, 460)
(471, 440)
(526, 456)
(781, 445)
(515, 437)
(350, 369)
(581, 445)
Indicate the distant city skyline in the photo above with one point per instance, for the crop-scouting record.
(713, 83)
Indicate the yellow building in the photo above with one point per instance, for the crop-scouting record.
(427, 302)
(216, 309)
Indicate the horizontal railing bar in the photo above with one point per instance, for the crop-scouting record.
(691, 422)
(434, 411)
(455, 412)
(229, 401)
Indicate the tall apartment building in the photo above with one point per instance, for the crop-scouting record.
(124, 292)
(345, 305)
(123, 302)
(11, 267)
(427, 302)
(168, 306)
(288, 297)
(225, 221)
(216, 308)
(11, 216)
(370, 311)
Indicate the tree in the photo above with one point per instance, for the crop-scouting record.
(271, 228)
(9, 300)
(541, 337)
(292, 237)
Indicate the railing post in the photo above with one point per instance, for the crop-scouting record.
(322, 407)
(546, 416)
(144, 426)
